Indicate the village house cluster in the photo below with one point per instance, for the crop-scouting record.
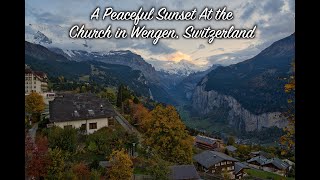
(90, 113)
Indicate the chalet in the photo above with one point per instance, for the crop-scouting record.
(260, 153)
(183, 172)
(276, 165)
(257, 162)
(239, 170)
(231, 148)
(85, 111)
(214, 162)
(207, 143)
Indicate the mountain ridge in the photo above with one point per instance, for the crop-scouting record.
(248, 95)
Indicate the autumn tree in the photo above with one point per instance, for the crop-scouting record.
(37, 160)
(167, 135)
(140, 115)
(288, 139)
(57, 164)
(106, 139)
(158, 168)
(121, 166)
(63, 138)
(231, 140)
(34, 105)
(81, 171)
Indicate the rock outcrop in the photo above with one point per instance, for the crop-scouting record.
(204, 102)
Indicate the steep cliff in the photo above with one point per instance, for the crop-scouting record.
(213, 104)
(248, 95)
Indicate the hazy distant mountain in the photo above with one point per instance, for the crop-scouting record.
(182, 68)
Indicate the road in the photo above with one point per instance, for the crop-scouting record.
(127, 126)
(33, 131)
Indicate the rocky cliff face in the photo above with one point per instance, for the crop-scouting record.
(205, 102)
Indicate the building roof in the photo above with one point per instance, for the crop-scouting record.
(231, 148)
(259, 159)
(209, 158)
(278, 163)
(183, 172)
(261, 153)
(205, 139)
(289, 162)
(40, 75)
(238, 166)
(72, 107)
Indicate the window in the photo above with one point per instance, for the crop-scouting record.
(223, 163)
(67, 126)
(92, 125)
(35, 82)
(35, 87)
(83, 127)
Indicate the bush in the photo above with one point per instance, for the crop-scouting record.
(95, 175)
(65, 139)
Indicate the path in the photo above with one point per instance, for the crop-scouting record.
(33, 131)
(127, 126)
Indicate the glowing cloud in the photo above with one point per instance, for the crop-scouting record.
(178, 56)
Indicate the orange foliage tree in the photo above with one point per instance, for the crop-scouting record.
(81, 171)
(37, 160)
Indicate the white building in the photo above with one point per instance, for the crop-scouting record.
(85, 111)
(35, 81)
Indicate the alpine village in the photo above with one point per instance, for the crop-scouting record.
(115, 117)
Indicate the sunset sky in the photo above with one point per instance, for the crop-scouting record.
(274, 20)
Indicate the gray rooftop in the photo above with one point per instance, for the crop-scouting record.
(238, 166)
(259, 159)
(209, 158)
(205, 139)
(278, 163)
(71, 107)
(231, 148)
(183, 172)
(261, 153)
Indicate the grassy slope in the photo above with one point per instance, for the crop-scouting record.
(265, 175)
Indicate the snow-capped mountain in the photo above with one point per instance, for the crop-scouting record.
(183, 67)
(53, 36)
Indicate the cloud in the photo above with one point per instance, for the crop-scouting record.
(233, 57)
(248, 12)
(160, 48)
(218, 49)
(201, 46)
(47, 17)
(273, 6)
(178, 56)
(292, 5)
(276, 28)
(274, 19)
